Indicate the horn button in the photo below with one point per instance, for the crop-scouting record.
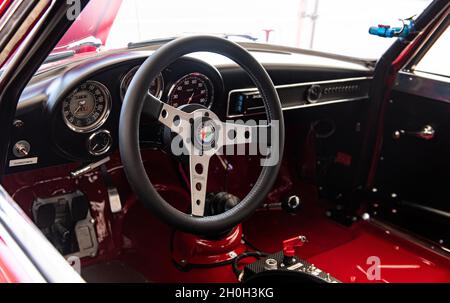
(204, 129)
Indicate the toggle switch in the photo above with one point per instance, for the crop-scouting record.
(21, 149)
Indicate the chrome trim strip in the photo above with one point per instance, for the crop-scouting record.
(251, 90)
(325, 103)
(36, 248)
(424, 85)
(9, 13)
(131, 73)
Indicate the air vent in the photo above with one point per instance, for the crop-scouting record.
(341, 89)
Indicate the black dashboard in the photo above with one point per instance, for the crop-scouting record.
(70, 111)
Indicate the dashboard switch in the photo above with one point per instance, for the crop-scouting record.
(21, 149)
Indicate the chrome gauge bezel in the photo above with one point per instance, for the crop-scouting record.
(105, 149)
(103, 117)
(130, 74)
(196, 74)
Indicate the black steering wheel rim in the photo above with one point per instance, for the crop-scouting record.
(133, 105)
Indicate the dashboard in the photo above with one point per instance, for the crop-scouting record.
(85, 122)
(70, 112)
(88, 106)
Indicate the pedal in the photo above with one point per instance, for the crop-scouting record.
(113, 194)
(114, 200)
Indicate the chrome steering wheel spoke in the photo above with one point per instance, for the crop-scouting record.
(199, 166)
(175, 119)
(238, 133)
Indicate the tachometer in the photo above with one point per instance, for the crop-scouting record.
(156, 87)
(87, 107)
(192, 88)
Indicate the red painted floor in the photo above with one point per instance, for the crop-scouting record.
(340, 250)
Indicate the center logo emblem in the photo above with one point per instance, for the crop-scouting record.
(205, 135)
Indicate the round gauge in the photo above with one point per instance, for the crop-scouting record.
(99, 143)
(87, 107)
(156, 87)
(192, 88)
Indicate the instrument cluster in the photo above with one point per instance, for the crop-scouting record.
(92, 109)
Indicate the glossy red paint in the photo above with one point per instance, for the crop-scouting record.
(7, 265)
(143, 242)
(400, 261)
(95, 20)
(343, 251)
(147, 249)
(188, 249)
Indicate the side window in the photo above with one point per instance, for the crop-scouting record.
(437, 60)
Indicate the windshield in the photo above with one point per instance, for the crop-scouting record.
(339, 27)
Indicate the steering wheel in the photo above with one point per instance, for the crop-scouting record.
(200, 132)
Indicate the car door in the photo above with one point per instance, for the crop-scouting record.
(25, 254)
(412, 181)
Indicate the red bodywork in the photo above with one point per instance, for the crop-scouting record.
(8, 268)
(4, 4)
(96, 20)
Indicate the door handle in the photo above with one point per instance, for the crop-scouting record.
(426, 133)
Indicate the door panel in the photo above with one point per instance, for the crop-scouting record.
(412, 184)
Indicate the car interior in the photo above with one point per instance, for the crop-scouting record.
(91, 162)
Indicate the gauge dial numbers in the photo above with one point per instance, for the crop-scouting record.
(156, 87)
(87, 107)
(192, 88)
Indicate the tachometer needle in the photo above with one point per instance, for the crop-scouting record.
(192, 96)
